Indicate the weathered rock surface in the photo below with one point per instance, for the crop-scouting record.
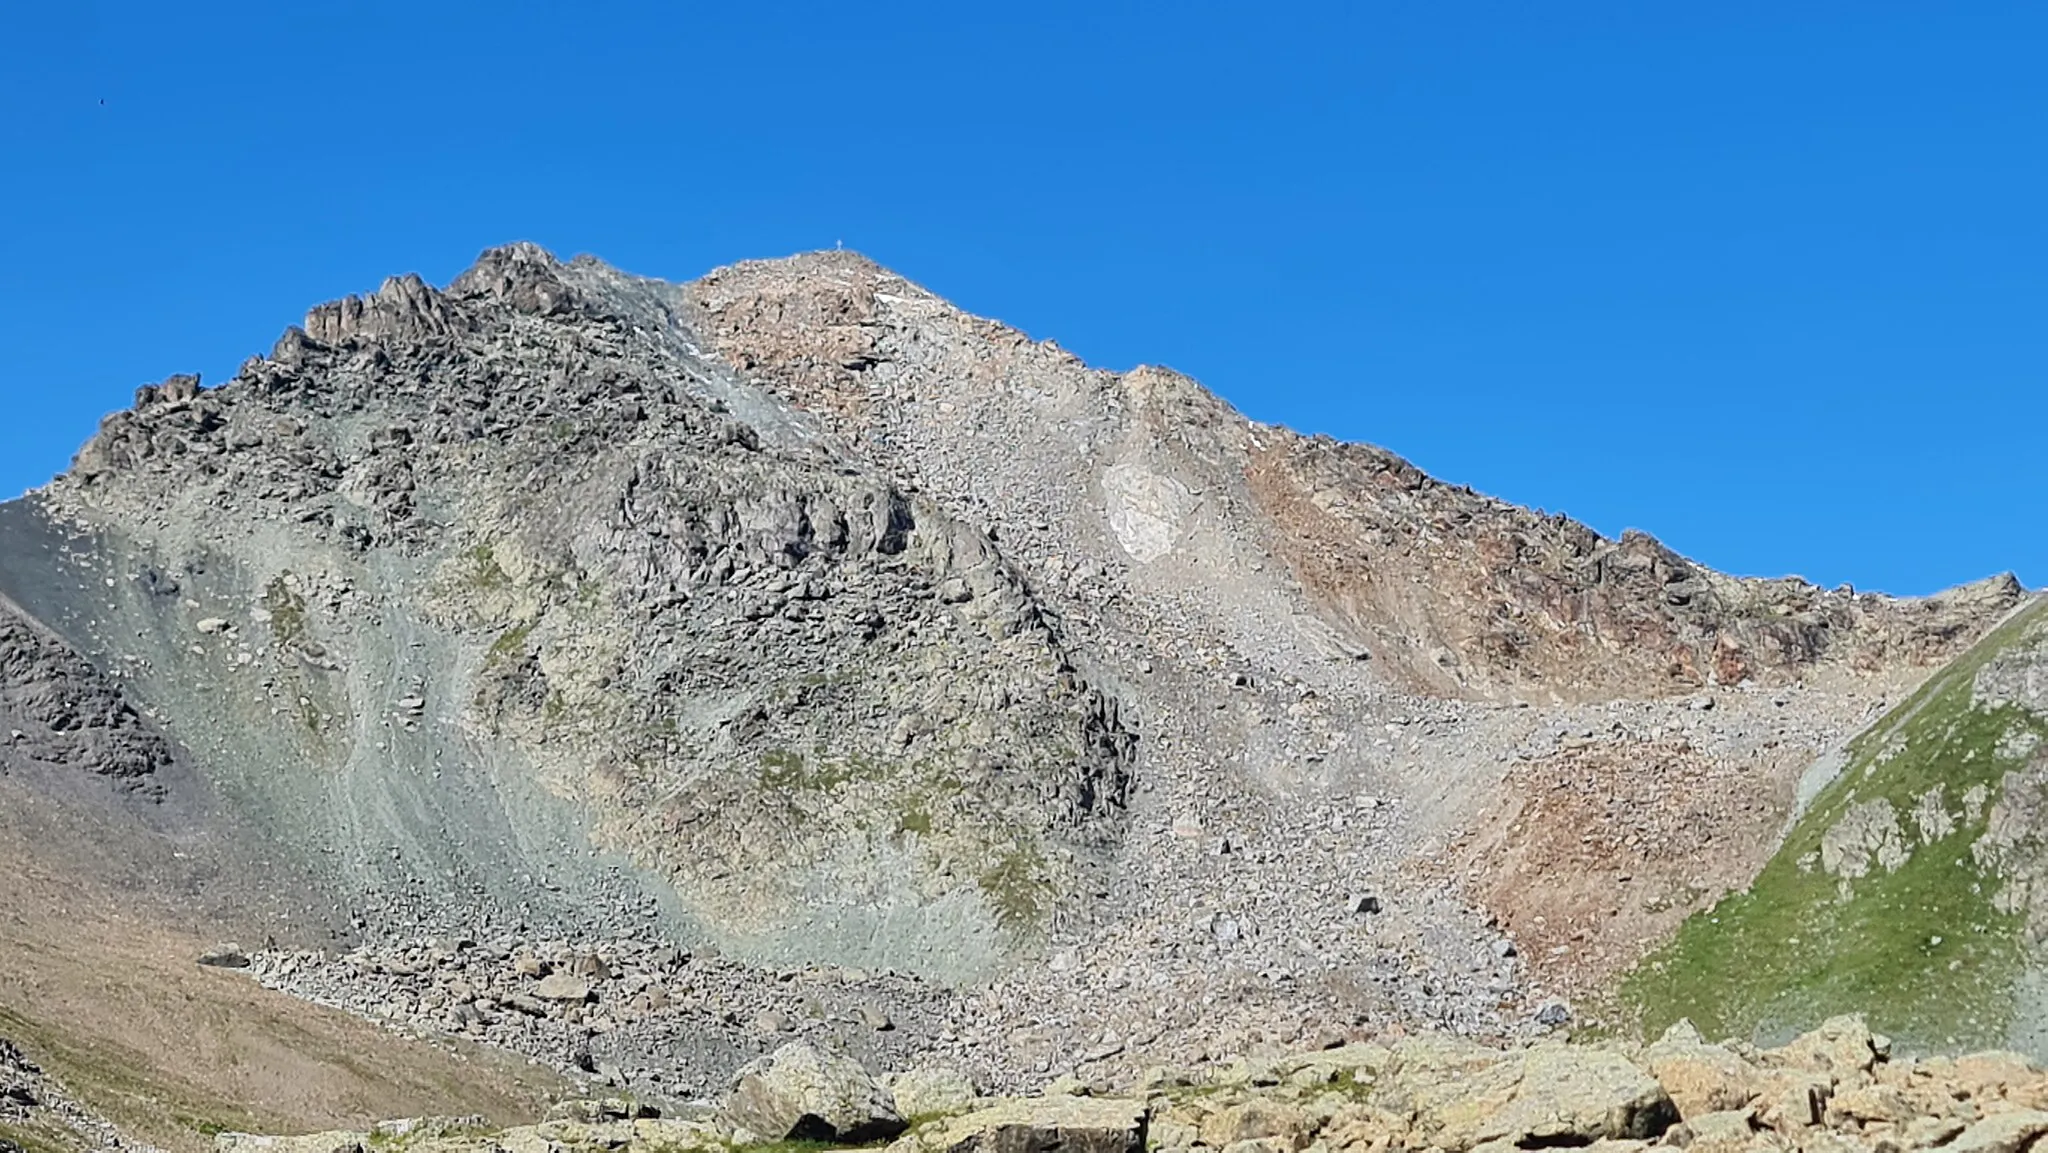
(932, 1090)
(1058, 1124)
(799, 1094)
(1437, 1093)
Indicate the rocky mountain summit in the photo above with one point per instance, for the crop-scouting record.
(643, 677)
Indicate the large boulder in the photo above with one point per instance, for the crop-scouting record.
(1058, 1124)
(1259, 1119)
(933, 1091)
(1549, 1095)
(1843, 1049)
(1700, 1078)
(2002, 1133)
(800, 1094)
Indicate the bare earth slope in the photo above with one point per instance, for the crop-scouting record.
(797, 614)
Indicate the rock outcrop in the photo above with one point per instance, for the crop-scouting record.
(58, 711)
(36, 1114)
(799, 1094)
(1836, 1089)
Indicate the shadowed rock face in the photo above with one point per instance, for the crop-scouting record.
(58, 711)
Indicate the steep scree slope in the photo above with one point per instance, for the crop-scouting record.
(797, 610)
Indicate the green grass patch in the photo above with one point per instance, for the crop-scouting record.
(789, 771)
(1920, 950)
(482, 572)
(915, 819)
(42, 1139)
(1016, 888)
(124, 1089)
(508, 648)
(287, 611)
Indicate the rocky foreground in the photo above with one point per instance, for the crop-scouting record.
(1837, 1089)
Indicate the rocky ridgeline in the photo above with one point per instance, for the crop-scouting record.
(1837, 1089)
(1453, 592)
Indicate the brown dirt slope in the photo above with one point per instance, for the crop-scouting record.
(98, 984)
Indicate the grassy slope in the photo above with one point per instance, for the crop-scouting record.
(1920, 950)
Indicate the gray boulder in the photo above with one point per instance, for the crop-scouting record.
(933, 1091)
(800, 1094)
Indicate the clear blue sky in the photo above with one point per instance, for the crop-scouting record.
(1767, 280)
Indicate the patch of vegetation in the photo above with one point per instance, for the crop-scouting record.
(915, 818)
(509, 647)
(1920, 949)
(782, 769)
(124, 1089)
(287, 611)
(793, 1145)
(40, 1139)
(484, 573)
(386, 1141)
(1016, 888)
(789, 771)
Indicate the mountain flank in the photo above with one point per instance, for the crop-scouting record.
(640, 677)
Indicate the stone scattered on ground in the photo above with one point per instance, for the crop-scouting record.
(227, 956)
(1835, 1090)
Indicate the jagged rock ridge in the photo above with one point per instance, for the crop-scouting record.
(826, 712)
(1458, 593)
